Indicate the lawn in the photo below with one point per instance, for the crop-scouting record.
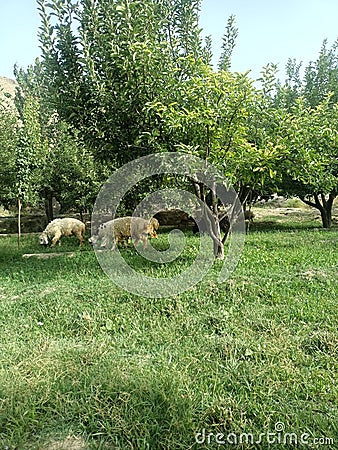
(86, 365)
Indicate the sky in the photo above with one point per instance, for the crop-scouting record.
(269, 31)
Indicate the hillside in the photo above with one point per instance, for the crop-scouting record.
(7, 86)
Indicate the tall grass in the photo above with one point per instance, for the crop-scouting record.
(88, 365)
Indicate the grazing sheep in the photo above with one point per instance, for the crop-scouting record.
(62, 227)
(121, 229)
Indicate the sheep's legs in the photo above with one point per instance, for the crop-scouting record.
(56, 238)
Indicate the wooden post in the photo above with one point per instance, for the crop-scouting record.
(19, 221)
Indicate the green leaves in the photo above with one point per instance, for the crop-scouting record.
(133, 77)
(30, 151)
(312, 140)
(107, 60)
(8, 141)
(229, 42)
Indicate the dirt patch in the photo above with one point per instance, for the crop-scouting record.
(297, 214)
(70, 443)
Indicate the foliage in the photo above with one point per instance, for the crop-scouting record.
(228, 45)
(31, 151)
(312, 146)
(310, 169)
(106, 60)
(132, 78)
(206, 113)
(52, 159)
(140, 81)
(260, 166)
(321, 76)
(76, 185)
(310, 132)
(8, 141)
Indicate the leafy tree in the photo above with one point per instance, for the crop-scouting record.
(321, 76)
(309, 134)
(8, 142)
(260, 166)
(30, 148)
(60, 165)
(206, 115)
(105, 60)
(310, 168)
(74, 177)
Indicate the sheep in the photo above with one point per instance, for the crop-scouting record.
(121, 229)
(62, 227)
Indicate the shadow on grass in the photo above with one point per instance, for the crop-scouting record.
(276, 225)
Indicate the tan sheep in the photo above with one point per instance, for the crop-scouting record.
(120, 230)
(58, 228)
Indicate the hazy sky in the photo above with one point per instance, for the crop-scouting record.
(269, 31)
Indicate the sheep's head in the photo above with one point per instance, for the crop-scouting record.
(152, 227)
(154, 222)
(43, 238)
(95, 237)
(92, 240)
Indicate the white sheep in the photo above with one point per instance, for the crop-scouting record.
(58, 228)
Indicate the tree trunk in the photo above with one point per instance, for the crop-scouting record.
(48, 196)
(324, 206)
(197, 188)
(214, 231)
(210, 219)
(19, 221)
(218, 243)
(327, 216)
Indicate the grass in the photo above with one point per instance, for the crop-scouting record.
(85, 365)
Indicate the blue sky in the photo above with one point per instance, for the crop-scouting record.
(269, 31)
(19, 22)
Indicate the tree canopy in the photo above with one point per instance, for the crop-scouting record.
(119, 80)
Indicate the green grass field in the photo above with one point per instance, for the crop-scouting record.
(85, 365)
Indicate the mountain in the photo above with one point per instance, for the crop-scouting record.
(7, 88)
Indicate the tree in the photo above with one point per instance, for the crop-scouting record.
(258, 168)
(321, 76)
(8, 142)
(205, 115)
(229, 42)
(60, 166)
(105, 60)
(310, 168)
(309, 132)
(29, 151)
(74, 177)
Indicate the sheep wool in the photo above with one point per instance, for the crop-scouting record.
(58, 228)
